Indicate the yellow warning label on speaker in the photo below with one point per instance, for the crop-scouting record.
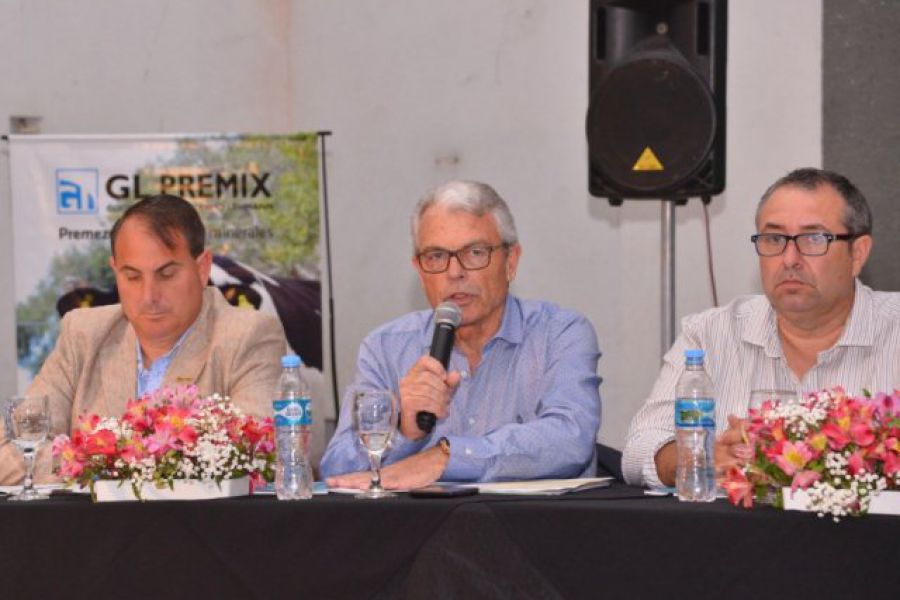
(647, 161)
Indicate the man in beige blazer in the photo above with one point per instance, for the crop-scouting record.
(169, 329)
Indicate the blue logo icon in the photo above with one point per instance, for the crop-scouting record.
(77, 191)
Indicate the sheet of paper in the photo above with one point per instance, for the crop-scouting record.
(539, 487)
(44, 487)
(319, 489)
(546, 487)
(350, 491)
(670, 491)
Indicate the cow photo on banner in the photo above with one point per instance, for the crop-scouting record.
(258, 196)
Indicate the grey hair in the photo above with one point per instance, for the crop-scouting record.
(857, 215)
(472, 197)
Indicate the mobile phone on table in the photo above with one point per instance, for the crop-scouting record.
(442, 491)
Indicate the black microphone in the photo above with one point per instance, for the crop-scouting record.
(446, 319)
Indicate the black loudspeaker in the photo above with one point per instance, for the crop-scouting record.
(656, 119)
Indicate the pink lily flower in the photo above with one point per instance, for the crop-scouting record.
(71, 460)
(818, 442)
(888, 406)
(862, 434)
(88, 423)
(134, 450)
(804, 479)
(777, 432)
(187, 435)
(102, 442)
(790, 457)
(137, 416)
(891, 464)
(837, 437)
(857, 463)
(176, 418)
(162, 440)
(892, 444)
(60, 443)
(738, 487)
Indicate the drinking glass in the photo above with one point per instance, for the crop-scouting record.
(375, 419)
(759, 397)
(27, 421)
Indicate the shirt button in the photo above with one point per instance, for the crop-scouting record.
(464, 374)
(468, 452)
(471, 421)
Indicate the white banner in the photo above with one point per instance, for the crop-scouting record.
(258, 197)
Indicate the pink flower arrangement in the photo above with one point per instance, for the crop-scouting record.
(173, 433)
(840, 449)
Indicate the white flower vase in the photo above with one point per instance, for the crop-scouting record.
(886, 502)
(183, 489)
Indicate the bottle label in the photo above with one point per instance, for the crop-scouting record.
(296, 411)
(695, 413)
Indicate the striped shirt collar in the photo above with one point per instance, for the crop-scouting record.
(762, 328)
(860, 328)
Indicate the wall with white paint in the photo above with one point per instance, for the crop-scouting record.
(417, 93)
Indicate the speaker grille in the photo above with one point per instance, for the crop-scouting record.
(651, 103)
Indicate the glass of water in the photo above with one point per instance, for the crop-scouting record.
(375, 420)
(27, 420)
(762, 398)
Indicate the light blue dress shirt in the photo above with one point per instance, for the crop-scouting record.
(149, 380)
(531, 410)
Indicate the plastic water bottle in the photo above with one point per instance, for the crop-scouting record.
(695, 432)
(293, 427)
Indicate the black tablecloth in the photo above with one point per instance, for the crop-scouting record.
(614, 543)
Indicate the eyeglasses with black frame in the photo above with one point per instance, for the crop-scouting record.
(808, 244)
(473, 257)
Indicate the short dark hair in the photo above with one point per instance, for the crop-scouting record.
(166, 215)
(857, 215)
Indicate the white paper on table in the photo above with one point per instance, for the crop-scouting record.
(319, 489)
(349, 491)
(45, 488)
(670, 491)
(536, 487)
(542, 487)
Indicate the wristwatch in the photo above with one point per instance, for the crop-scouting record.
(444, 445)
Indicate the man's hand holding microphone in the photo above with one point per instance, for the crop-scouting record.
(426, 388)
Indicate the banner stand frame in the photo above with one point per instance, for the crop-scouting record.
(323, 135)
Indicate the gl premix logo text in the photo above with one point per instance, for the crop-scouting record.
(77, 191)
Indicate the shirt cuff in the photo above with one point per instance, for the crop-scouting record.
(469, 459)
(402, 447)
(648, 469)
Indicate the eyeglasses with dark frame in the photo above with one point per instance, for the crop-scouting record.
(808, 244)
(473, 257)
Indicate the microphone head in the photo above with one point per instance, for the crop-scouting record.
(449, 313)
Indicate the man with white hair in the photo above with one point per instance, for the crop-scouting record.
(519, 399)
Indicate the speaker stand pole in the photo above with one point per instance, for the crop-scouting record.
(667, 275)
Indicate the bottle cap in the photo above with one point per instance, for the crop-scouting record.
(694, 354)
(289, 361)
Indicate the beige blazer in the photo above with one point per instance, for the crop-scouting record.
(93, 368)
